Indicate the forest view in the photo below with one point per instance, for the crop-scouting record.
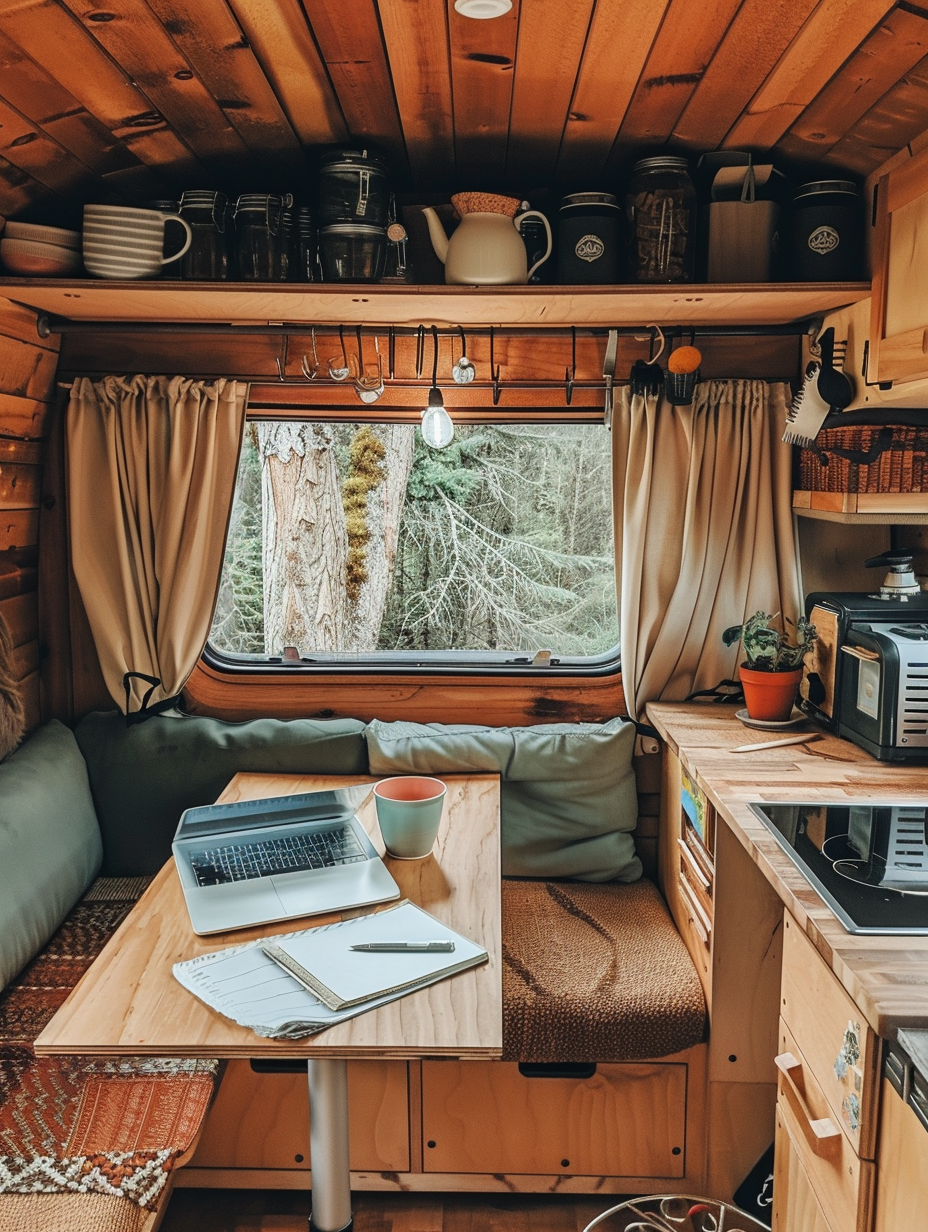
(351, 538)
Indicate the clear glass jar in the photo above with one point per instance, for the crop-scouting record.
(262, 236)
(350, 252)
(661, 208)
(207, 258)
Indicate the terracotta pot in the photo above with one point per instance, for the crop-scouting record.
(770, 696)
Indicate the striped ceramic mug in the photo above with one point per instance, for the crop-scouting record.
(122, 242)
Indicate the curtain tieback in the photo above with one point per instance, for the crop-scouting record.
(145, 711)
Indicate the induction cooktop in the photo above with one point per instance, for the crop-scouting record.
(867, 859)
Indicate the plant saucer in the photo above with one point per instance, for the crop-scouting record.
(796, 719)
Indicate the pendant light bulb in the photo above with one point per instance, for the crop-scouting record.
(437, 428)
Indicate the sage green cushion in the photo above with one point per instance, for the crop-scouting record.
(567, 790)
(50, 848)
(144, 776)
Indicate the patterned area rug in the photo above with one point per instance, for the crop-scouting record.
(89, 1124)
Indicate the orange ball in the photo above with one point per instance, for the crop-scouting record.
(684, 359)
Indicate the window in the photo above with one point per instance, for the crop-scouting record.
(357, 541)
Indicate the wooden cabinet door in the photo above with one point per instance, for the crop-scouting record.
(902, 1166)
(795, 1206)
(262, 1120)
(899, 307)
(626, 1120)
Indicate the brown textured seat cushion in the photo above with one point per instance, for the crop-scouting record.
(595, 973)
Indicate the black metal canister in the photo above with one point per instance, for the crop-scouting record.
(827, 232)
(588, 240)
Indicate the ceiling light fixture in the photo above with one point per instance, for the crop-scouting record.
(437, 428)
(481, 10)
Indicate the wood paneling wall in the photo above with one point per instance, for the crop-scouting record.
(27, 390)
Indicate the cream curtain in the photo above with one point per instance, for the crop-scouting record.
(151, 469)
(703, 531)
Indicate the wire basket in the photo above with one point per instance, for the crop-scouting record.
(676, 1213)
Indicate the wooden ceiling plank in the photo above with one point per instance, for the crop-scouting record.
(17, 190)
(416, 37)
(56, 41)
(618, 46)
(349, 39)
(38, 96)
(483, 55)
(755, 41)
(135, 39)
(551, 39)
(33, 151)
(684, 47)
(213, 43)
(282, 41)
(896, 46)
(831, 35)
(897, 120)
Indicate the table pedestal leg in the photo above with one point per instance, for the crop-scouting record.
(328, 1145)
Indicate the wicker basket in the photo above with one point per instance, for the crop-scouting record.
(867, 458)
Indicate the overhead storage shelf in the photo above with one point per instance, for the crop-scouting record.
(379, 304)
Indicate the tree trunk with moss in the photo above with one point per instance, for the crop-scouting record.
(305, 541)
(374, 491)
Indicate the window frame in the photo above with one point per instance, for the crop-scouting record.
(473, 666)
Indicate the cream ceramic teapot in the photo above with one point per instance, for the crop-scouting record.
(487, 247)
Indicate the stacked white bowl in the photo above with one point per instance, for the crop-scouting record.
(30, 249)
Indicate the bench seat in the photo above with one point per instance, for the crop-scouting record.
(595, 973)
(87, 1144)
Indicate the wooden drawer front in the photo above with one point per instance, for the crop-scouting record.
(843, 1183)
(627, 1120)
(698, 880)
(262, 1120)
(839, 1046)
(795, 1206)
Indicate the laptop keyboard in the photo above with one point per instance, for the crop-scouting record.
(292, 854)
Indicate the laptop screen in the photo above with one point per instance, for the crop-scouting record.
(337, 805)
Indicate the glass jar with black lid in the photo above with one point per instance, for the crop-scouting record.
(588, 245)
(262, 235)
(661, 208)
(352, 252)
(826, 232)
(353, 187)
(207, 258)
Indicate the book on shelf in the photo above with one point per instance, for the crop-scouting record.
(299, 983)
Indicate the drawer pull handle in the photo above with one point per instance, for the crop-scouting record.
(821, 1134)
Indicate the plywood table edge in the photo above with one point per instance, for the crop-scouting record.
(857, 960)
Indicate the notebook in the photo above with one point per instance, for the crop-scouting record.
(244, 984)
(322, 959)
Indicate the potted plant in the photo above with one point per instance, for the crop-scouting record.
(772, 668)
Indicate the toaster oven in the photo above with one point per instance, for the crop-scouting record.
(867, 676)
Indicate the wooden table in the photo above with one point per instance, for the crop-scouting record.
(129, 1003)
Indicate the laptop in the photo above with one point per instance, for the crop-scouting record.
(252, 861)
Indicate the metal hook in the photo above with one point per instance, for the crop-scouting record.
(656, 332)
(281, 359)
(391, 351)
(571, 372)
(343, 373)
(310, 373)
(420, 351)
(494, 370)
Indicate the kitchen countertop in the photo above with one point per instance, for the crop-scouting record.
(887, 976)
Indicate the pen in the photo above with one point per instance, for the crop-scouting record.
(400, 947)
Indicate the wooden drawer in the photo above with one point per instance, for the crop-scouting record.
(795, 1206)
(485, 1116)
(842, 1182)
(842, 1051)
(262, 1120)
(902, 1166)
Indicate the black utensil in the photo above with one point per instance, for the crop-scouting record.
(834, 386)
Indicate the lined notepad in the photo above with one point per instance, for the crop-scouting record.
(254, 990)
